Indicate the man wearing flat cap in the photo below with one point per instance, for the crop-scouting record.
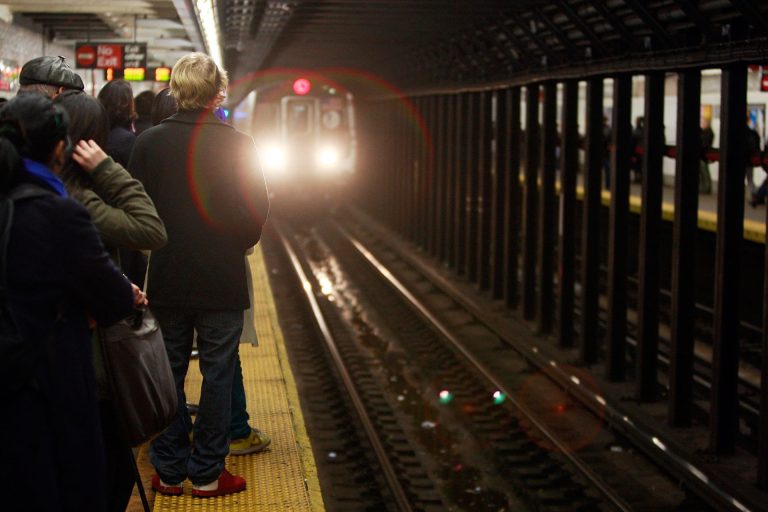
(49, 76)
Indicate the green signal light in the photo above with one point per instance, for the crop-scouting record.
(446, 397)
(499, 397)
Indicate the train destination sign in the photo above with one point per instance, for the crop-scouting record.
(90, 55)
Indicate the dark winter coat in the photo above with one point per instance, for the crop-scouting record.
(57, 268)
(207, 185)
(119, 144)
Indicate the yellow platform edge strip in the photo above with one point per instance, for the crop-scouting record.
(284, 477)
(259, 271)
(753, 231)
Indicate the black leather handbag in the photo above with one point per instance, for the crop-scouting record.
(141, 380)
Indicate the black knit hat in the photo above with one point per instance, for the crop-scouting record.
(51, 71)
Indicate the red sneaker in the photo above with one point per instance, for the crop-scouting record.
(170, 490)
(227, 483)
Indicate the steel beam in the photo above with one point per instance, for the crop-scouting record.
(569, 168)
(590, 226)
(521, 23)
(724, 411)
(472, 180)
(449, 186)
(530, 199)
(695, 14)
(752, 14)
(615, 22)
(460, 183)
(618, 223)
(585, 29)
(650, 20)
(438, 182)
(512, 202)
(559, 34)
(683, 307)
(485, 159)
(650, 229)
(499, 176)
(547, 208)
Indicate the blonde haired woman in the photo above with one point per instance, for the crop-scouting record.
(207, 186)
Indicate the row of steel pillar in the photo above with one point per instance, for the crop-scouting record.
(456, 174)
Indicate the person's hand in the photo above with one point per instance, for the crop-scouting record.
(88, 155)
(139, 297)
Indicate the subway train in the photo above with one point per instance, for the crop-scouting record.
(304, 128)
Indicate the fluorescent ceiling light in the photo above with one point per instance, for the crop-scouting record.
(206, 15)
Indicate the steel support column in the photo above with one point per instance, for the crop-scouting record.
(426, 199)
(547, 207)
(404, 171)
(569, 168)
(617, 229)
(499, 176)
(438, 176)
(413, 172)
(724, 412)
(530, 199)
(460, 183)
(449, 200)
(590, 226)
(472, 179)
(485, 160)
(682, 309)
(512, 194)
(650, 228)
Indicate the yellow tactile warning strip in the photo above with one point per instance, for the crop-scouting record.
(753, 230)
(283, 478)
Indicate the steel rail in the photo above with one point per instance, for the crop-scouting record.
(389, 472)
(642, 435)
(445, 332)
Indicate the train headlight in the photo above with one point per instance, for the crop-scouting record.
(273, 157)
(328, 158)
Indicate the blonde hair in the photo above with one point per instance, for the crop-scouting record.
(197, 82)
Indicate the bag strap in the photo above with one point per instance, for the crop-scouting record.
(139, 483)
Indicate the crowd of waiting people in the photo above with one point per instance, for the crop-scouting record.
(97, 184)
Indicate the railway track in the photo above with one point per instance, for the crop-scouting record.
(435, 385)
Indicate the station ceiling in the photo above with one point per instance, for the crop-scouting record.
(426, 44)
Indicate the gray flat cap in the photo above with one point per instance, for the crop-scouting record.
(51, 71)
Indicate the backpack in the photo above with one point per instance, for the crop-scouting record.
(18, 358)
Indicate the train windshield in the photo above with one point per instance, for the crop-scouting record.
(299, 116)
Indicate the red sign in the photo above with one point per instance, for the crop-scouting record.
(85, 56)
(109, 56)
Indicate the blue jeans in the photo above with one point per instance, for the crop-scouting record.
(218, 333)
(239, 428)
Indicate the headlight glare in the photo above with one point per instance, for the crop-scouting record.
(328, 157)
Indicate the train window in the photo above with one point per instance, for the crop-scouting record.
(299, 118)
